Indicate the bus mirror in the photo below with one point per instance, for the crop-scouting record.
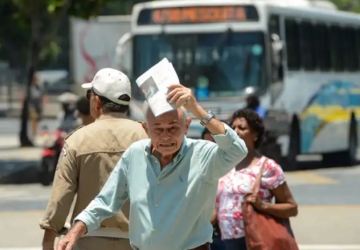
(276, 57)
(123, 57)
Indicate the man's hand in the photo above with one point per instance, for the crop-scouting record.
(181, 96)
(70, 239)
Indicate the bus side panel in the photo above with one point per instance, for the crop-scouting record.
(324, 106)
(325, 121)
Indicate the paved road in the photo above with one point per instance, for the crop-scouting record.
(19, 165)
(329, 206)
(328, 217)
(329, 203)
(10, 126)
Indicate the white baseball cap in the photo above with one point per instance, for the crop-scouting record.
(111, 84)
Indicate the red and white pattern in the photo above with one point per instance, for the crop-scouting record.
(233, 187)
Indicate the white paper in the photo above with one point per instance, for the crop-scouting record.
(154, 84)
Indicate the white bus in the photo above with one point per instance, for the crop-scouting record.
(303, 62)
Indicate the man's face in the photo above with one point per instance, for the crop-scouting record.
(167, 131)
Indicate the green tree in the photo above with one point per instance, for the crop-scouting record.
(40, 22)
(347, 5)
(34, 33)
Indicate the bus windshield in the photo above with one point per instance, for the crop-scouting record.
(225, 63)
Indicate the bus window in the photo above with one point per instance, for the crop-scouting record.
(292, 44)
(336, 48)
(351, 63)
(230, 61)
(357, 47)
(276, 45)
(307, 47)
(322, 50)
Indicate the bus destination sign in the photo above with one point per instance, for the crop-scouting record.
(197, 14)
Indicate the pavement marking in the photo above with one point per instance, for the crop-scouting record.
(302, 247)
(20, 248)
(329, 247)
(305, 177)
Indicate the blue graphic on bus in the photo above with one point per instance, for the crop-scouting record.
(332, 103)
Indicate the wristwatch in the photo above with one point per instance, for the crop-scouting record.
(206, 119)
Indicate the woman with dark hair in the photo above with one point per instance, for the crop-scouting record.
(234, 187)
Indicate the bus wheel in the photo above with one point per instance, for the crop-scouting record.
(294, 144)
(350, 153)
(348, 156)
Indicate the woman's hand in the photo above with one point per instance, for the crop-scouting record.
(284, 206)
(256, 201)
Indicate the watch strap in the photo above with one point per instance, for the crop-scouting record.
(206, 119)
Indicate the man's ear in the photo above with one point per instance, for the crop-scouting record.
(98, 103)
(145, 126)
(187, 124)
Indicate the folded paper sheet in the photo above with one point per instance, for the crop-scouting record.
(154, 85)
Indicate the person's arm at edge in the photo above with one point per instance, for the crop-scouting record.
(285, 205)
(108, 201)
(68, 242)
(64, 187)
(215, 126)
(48, 239)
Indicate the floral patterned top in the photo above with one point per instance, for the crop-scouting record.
(232, 189)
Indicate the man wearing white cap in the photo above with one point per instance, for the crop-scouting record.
(88, 156)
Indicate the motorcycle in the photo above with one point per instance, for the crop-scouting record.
(53, 142)
(50, 154)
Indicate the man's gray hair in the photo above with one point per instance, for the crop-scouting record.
(148, 111)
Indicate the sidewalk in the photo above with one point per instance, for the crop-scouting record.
(21, 164)
(51, 108)
(18, 164)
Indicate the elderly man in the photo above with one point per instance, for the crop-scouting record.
(87, 159)
(170, 181)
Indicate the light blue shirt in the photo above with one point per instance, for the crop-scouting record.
(169, 208)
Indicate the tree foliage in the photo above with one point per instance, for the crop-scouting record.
(35, 33)
(40, 22)
(52, 22)
(348, 5)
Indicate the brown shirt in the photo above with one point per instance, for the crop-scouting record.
(88, 157)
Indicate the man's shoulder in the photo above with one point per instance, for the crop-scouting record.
(74, 133)
(140, 145)
(124, 123)
(103, 124)
(107, 134)
(137, 149)
(78, 135)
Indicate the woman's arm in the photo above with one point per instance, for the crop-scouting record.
(213, 218)
(284, 207)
